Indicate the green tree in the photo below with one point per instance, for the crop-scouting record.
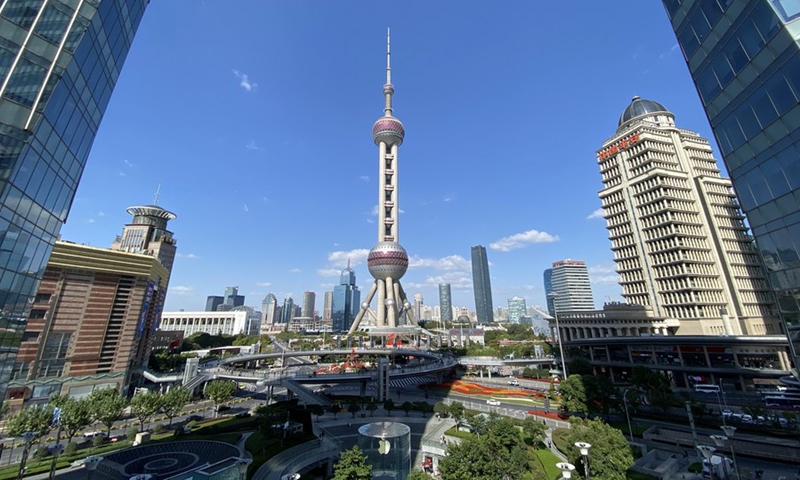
(352, 465)
(610, 456)
(573, 395)
(499, 454)
(407, 407)
(534, 430)
(35, 418)
(599, 393)
(418, 475)
(388, 405)
(579, 366)
(107, 406)
(173, 401)
(319, 411)
(144, 405)
(353, 409)
(440, 408)
(335, 409)
(219, 391)
(75, 416)
(457, 411)
(371, 407)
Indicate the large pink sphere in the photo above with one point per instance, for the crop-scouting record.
(387, 259)
(388, 130)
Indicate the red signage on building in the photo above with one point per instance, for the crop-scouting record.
(622, 144)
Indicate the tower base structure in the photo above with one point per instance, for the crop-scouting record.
(387, 313)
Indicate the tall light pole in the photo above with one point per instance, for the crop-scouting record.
(720, 441)
(584, 449)
(566, 469)
(558, 332)
(27, 437)
(730, 431)
(91, 463)
(57, 450)
(708, 454)
(627, 414)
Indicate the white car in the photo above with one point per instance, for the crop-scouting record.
(513, 382)
(494, 402)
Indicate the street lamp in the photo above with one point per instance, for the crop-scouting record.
(584, 448)
(720, 441)
(242, 464)
(566, 469)
(708, 454)
(27, 437)
(91, 463)
(558, 332)
(730, 431)
(57, 450)
(627, 415)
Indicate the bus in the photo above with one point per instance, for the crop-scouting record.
(706, 388)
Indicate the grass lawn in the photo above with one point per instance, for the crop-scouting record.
(463, 434)
(548, 460)
(263, 448)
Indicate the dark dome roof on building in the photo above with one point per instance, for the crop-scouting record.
(640, 107)
(463, 318)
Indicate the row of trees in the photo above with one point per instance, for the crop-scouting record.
(104, 406)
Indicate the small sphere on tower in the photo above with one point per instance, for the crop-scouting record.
(387, 260)
(388, 130)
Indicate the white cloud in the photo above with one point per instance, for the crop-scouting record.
(128, 163)
(122, 174)
(329, 272)
(340, 258)
(181, 290)
(451, 262)
(364, 178)
(596, 214)
(263, 284)
(295, 270)
(190, 256)
(375, 210)
(519, 240)
(251, 145)
(603, 274)
(457, 280)
(245, 82)
(246, 208)
(449, 198)
(91, 220)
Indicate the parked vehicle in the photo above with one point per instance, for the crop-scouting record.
(514, 382)
(494, 402)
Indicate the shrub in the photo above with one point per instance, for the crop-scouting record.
(131, 434)
(41, 453)
(70, 448)
(98, 440)
(158, 428)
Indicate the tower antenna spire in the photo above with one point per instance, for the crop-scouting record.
(388, 89)
(158, 194)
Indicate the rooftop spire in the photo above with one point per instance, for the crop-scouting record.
(388, 89)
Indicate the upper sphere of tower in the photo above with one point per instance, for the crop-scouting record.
(388, 130)
(639, 108)
(387, 260)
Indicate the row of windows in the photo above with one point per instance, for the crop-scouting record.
(778, 94)
(699, 23)
(770, 180)
(749, 38)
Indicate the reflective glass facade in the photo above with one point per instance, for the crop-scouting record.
(482, 285)
(346, 301)
(445, 302)
(744, 57)
(387, 446)
(59, 62)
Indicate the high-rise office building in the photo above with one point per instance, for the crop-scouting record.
(570, 289)
(59, 67)
(232, 297)
(445, 303)
(744, 58)
(345, 302)
(387, 260)
(327, 306)
(309, 305)
(676, 229)
(269, 312)
(482, 285)
(213, 302)
(288, 311)
(418, 302)
(548, 291)
(516, 309)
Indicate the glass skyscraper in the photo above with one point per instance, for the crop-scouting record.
(548, 289)
(516, 309)
(744, 57)
(346, 301)
(59, 62)
(482, 285)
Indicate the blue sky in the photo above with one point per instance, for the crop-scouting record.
(256, 118)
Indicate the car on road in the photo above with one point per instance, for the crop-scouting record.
(194, 418)
(243, 415)
(514, 382)
(493, 402)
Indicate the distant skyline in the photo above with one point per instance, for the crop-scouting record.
(261, 140)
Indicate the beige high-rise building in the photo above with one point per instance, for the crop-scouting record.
(678, 234)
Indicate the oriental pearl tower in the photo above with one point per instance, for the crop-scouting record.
(387, 261)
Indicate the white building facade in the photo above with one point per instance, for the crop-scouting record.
(571, 287)
(213, 323)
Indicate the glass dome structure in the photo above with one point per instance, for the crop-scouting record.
(387, 446)
(640, 107)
